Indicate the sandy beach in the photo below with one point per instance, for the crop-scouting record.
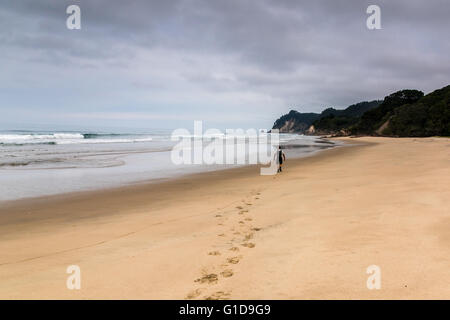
(308, 233)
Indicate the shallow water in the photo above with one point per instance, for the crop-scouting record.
(46, 163)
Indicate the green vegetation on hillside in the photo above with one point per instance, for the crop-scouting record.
(332, 120)
(373, 119)
(429, 116)
(300, 121)
(405, 113)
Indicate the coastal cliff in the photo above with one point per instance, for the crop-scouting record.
(329, 121)
(295, 121)
(405, 113)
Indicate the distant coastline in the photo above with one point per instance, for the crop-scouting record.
(405, 113)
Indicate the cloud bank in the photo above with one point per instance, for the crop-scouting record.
(230, 63)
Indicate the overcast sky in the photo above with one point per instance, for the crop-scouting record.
(231, 63)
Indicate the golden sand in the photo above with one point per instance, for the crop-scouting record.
(308, 233)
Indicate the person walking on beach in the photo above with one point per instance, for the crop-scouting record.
(281, 158)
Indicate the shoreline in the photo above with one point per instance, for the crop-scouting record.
(308, 233)
(27, 183)
(139, 187)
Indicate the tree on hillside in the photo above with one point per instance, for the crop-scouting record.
(373, 119)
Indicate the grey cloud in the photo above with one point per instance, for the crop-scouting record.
(290, 53)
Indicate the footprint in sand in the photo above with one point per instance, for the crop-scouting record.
(239, 207)
(219, 295)
(248, 245)
(214, 253)
(227, 273)
(234, 249)
(256, 229)
(248, 236)
(218, 215)
(234, 260)
(194, 294)
(221, 235)
(208, 278)
(241, 222)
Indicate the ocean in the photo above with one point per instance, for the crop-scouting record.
(38, 163)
